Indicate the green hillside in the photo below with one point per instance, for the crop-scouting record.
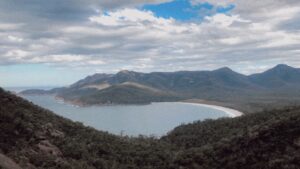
(36, 138)
(260, 140)
(125, 93)
(32, 137)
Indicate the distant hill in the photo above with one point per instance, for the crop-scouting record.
(124, 93)
(35, 138)
(35, 92)
(280, 84)
(279, 76)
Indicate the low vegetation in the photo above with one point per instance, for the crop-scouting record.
(117, 94)
(32, 137)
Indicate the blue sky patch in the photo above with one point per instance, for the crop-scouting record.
(225, 9)
(183, 10)
(178, 9)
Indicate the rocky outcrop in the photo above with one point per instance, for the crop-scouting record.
(8, 163)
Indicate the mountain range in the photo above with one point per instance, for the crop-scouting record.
(224, 86)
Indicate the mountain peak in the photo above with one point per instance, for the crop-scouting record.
(282, 66)
(124, 71)
(224, 69)
(127, 73)
(278, 76)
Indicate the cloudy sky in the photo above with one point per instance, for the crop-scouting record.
(57, 42)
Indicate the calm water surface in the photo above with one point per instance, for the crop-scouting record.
(153, 119)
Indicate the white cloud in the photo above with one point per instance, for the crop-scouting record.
(68, 60)
(9, 26)
(225, 20)
(14, 38)
(95, 62)
(124, 17)
(16, 54)
(59, 58)
(231, 40)
(254, 33)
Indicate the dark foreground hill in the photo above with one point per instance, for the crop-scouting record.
(277, 86)
(32, 137)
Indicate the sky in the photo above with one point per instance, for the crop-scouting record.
(55, 43)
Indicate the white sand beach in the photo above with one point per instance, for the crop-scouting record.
(229, 111)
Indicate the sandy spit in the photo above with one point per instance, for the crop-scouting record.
(229, 111)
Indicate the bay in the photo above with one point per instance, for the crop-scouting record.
(155, 119)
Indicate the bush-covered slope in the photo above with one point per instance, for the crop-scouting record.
(259, 140)
(128, 94)
(32, 137)
(36, 138)
(125, 93)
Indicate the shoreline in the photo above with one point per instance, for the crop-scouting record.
(231, 112)
(77, 103)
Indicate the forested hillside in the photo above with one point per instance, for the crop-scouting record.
(36, 138)
(32, 137)
(260, 140)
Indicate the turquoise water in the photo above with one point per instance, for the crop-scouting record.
(154, 119)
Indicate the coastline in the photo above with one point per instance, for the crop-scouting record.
(70, 102)
(78, 103)
(231, 112)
